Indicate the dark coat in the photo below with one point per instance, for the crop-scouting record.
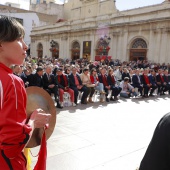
(157, 155)
(135, 81)
(35, 80)
(72, 80)
(110, 81)
(46, 81)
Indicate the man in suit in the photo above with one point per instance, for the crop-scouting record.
(76, 84)
(62, 81)
(166, 81)
(160, 82)
(136, 82)
(24, 76)
(152, 80)
(145, 82)
(49, 84)
(103, 79)
(113, 86)
(36, 79)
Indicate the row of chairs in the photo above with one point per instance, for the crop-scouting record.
(96, 96)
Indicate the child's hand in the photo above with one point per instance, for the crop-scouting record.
(40, 118)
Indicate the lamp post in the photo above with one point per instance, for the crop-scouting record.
(104, 42)
(52, 44)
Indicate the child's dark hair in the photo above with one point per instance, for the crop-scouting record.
(10, 29)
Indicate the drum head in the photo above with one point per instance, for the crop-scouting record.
(39, 98)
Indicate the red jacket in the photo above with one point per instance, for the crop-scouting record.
(92, 79)
(14, 133)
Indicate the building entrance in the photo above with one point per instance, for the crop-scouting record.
(138, 54)
(138, 50)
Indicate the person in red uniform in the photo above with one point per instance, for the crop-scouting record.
(14, 131)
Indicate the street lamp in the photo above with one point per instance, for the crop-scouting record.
(104, 45)
(52, 43)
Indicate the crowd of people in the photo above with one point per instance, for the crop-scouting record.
(110, 79)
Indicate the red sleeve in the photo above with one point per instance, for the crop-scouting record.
(92, 79)
(14, 133)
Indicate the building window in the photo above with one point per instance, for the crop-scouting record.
(139, 43)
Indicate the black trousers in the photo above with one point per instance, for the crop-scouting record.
(84, 90)
(54, 90)
(115, 90)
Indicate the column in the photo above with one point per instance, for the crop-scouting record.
(125, 56)
(157, 46)
(119, 47)
(151, 45)
(163, 47)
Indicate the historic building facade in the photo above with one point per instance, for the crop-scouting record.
(95, 29)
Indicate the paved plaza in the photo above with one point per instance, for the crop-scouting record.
(104, 136)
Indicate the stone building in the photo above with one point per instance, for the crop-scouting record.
(29, 18)
(96, 29)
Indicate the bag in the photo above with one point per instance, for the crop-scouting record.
(90, 85)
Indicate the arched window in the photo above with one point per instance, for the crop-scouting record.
(139, 43)
(138, 50)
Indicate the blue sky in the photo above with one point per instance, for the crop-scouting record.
(130, 4)
(120, 4)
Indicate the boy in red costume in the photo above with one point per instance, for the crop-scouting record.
(14, 132)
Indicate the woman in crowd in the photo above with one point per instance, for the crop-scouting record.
(85, 78)
(113, 85)
(98, 86)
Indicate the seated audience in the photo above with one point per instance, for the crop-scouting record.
(76, 84)
(152, 79)
(98, 86)
(49, 84)
(166, 81)
(118, 74)
(103, 79)
(127, 89)
(24, 77)
(145, 82)
(63, 85)
(85, 78)
(113, 86)
(35, 79)
(126, 74)
(136, 82)
(160, 82)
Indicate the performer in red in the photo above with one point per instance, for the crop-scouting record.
(14, 132)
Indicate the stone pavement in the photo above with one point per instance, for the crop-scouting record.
(107, 136)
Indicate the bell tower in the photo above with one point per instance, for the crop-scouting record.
(82, 9)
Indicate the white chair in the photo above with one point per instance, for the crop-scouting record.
(95, 95)
(136, 90)
(66, 99)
